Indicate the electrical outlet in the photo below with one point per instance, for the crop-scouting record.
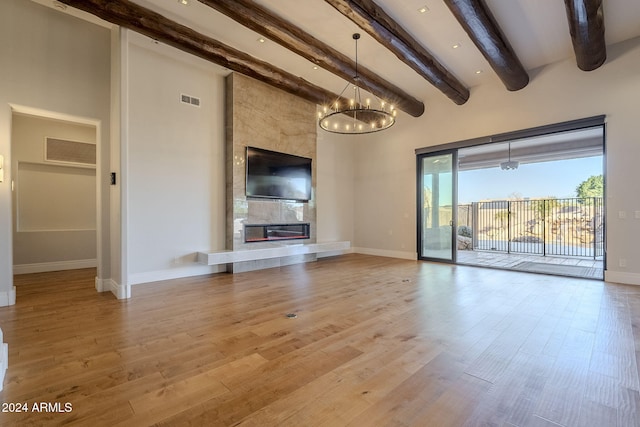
(622, 214)
(622, 262)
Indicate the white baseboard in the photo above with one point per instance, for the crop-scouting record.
(4, 361)
(42, 267)
(622, 277)
(176, 273)
(385, 253)
(334, 253)
(100, 285)
(110, 285)
(8, 298)
(119, 290)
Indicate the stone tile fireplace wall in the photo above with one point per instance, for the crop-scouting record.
(261, 116)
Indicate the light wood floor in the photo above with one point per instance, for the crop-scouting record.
(376, 342)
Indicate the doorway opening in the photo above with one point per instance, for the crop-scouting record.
(55, 192)
(532, 202)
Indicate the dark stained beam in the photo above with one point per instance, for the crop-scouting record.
(262, 21)
(586, 25)
(144, 21)
(482, 28)
(375, 21)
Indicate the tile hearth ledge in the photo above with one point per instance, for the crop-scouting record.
(227, 257)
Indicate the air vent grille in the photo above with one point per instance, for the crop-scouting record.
(60, 150)
(191, 100)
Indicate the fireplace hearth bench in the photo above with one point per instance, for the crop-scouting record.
(227, 257)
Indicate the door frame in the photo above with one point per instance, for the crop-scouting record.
(96, 124)
(454, 201)
(570, 125)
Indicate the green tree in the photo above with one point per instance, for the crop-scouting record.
(502, 217)
(543, 207)
(591, 187)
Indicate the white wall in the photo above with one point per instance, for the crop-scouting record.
(175, 183)
(55, 63)
(334, 188)
(115, 255)
(385, 175)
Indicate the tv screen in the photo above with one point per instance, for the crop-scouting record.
(277, 175)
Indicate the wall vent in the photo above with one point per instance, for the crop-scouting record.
(191, 100)
(70, 152)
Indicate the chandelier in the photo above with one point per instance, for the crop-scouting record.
(353, 116)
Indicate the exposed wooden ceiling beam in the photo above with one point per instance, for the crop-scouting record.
(263, 21)
(586, 25)
(482, 28)
(375, 21)
(144, 21)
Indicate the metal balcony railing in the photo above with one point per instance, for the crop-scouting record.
(567, 227)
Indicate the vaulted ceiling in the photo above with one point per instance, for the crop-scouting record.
(467, 42)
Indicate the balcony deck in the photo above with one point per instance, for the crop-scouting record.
(564, 237)
(587, 268)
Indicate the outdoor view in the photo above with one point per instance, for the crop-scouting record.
(552, 208)
(558, 179)
(530, 204)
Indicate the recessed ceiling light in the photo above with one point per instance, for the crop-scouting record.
(478, 71)
(183, 2)
(59, 5)
(423, 9)
(315, 67)
(456, 45)
(261, 40)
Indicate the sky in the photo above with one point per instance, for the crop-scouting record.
(536, 180)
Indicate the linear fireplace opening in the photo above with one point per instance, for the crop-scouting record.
(271, 232)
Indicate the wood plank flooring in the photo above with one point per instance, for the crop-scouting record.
(376, 342)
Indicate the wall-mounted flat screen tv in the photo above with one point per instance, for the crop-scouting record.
(275, 175)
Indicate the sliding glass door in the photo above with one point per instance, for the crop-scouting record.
(437, 206)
